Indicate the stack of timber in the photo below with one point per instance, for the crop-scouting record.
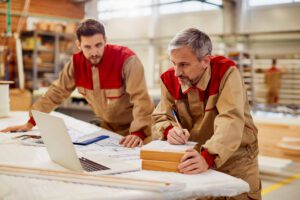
(161, 156)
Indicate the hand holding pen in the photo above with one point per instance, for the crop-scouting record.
(177, 135)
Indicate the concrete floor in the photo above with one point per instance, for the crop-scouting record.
(284, 185)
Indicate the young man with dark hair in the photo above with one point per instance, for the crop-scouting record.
(111, 79)
(210, 100)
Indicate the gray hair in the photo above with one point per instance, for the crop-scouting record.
(197, 40)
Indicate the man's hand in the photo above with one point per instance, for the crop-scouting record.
(192, 163)
(178, 136)
(131, 141)
(25, 127)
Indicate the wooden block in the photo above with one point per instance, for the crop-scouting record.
(161, 155)
(160, 165)
(163, 151)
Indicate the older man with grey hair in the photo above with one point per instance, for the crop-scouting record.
(209, 98)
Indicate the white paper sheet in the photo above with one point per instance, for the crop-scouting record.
(110, 147)
(165, 146)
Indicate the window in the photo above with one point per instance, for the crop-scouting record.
(132, 8)
(270, 2)
(187, 6)
(123, 8)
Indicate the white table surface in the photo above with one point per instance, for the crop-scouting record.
(210, 183)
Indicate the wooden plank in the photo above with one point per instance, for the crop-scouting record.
(74, 177)
(271, 164)
(156, 165)
(290, 149)
(6, 82)
(161, 155)
(270, 135)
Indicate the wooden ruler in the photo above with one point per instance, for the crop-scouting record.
(103, 180)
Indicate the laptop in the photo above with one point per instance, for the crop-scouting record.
(61, 150)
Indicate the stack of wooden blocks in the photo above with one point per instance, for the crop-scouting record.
(161, 156)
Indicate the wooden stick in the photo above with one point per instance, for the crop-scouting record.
(6, 82)
(75, 177)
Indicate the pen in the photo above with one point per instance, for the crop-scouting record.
(176, 118)
(23, 131)
(27, 136)
(92, 140)
(17, 131)
(178, 124)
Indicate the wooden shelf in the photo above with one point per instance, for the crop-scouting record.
(244, 63)
(42, 51)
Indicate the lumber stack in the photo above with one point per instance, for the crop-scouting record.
(162, 156)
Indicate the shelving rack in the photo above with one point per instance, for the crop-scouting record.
(244, 62)
(42, 54)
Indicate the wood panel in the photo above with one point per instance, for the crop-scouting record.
(270, 135)
(51, 8)
(60, 8)
(56, 8)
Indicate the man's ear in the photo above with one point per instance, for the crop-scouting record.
(206, 60)
(78, 45)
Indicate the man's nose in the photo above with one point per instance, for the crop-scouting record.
(178, 72)
(94, 52)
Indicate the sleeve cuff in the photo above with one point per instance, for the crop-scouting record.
(140, 134)
(166, 132)
(31, 121)
(209, 158)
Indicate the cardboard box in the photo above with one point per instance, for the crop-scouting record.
(46, 56)
(71, 28)
(42, 26)
(56, 27)
(20, 100)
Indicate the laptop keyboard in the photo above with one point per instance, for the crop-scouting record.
(91, 166)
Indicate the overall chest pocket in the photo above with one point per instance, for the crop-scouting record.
(86, 93)
(184, 114)
(114, 96)
(196, 106)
